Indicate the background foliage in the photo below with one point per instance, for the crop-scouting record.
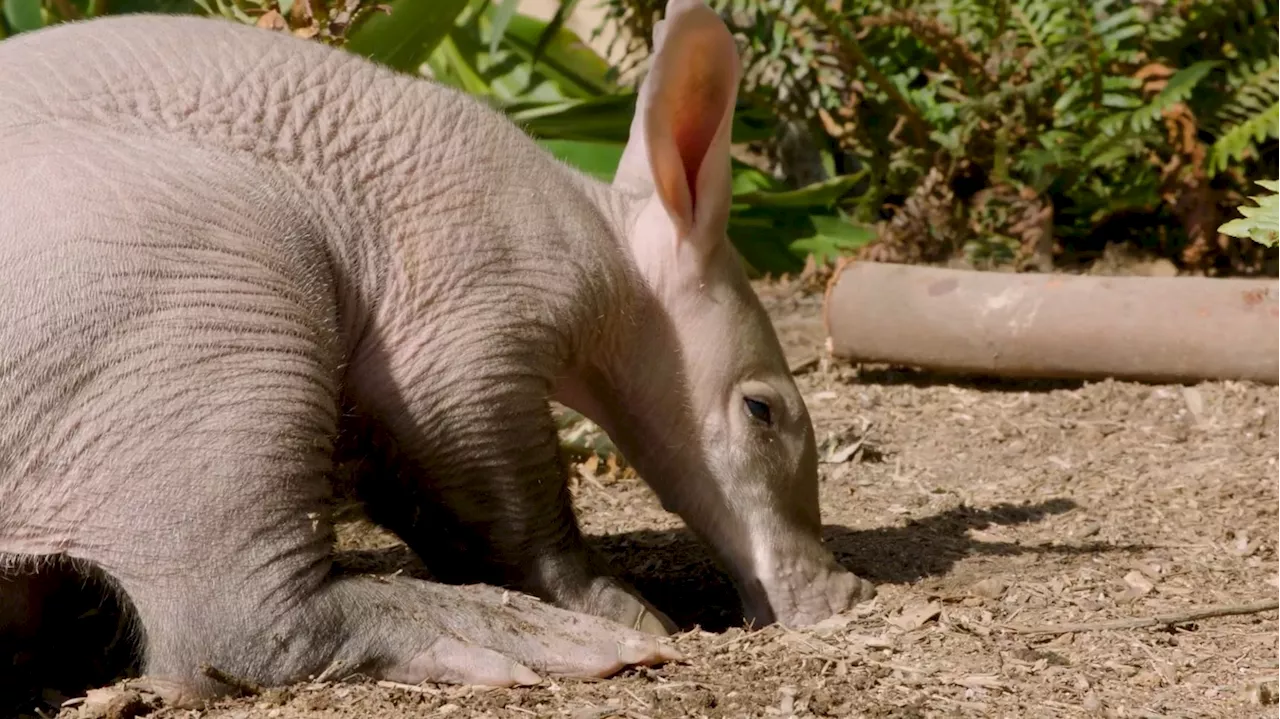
(999, 133)
(1024, 130)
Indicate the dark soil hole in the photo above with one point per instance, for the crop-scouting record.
(676, 572)
(64, 629)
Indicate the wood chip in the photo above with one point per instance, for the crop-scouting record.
(916, 615)
(989, 588)
(843, 454)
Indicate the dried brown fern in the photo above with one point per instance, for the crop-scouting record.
(925, 229)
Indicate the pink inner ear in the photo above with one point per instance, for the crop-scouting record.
(696, 79)
(696, 120)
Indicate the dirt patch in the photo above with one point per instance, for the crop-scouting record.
(977, 507)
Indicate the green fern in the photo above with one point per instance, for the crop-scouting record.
(1248, 117)
(1039, 94)
(1260, 223)
(1199, 27)
(1252, 85)
(1178, 89)
(1241, 141)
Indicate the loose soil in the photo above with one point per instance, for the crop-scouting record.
(976, 507)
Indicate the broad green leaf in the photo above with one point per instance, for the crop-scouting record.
(834, 236)
(553, 27)
(564, 57)
(598, 159)
(606, 118)
(569, 94)
(819, 194)
(463, 60)
(778, 240)
(764, 238)
(747, 179)
(23, 15)
(449, 65)
(501, 18)
(602, 119)
(403, 38)
(753, 124)
(505, 71)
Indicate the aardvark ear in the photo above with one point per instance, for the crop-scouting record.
(679, 143)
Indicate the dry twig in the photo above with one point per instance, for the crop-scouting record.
(1229, 610)
(244, 686)
(418, 688)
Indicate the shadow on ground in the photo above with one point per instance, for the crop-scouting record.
(676, 572)
(920, 378)
(894, 376)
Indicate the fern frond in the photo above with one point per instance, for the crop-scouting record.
(1255, 85)
(1116, 26)
(1242, 140)
(1178, 89)
(977, 22)
(1198, 26)
(1260, 223)
(1045, 23)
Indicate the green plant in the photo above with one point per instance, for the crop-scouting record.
(1260, 223)
(568, 98)
(1096, 112)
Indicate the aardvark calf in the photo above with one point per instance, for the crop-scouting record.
(219, 244)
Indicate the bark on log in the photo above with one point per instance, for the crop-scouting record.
(1154, 329)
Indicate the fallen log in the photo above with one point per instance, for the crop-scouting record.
(1154, 329)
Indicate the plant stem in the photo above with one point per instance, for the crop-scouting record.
(852, 50)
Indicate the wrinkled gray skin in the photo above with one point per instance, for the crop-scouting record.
(220, 247)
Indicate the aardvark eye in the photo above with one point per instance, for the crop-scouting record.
(758, 409)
